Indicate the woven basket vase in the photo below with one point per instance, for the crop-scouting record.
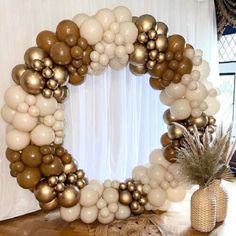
(221, 200)
(203, 210)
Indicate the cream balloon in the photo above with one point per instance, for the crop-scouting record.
(109, 49)
(165, 99)
(24, 122)
(180, 109)
(47, 106)
(175, 90)
(157, 157)
(204, 69)
(9, 128)
(70, 214)
(109, 36)
(122, 14)
(14, 95)
(176, 194)
(30, 99)
(198, 94)
(165, 206)
(104, 212)
(113, 207)
(115, 27)
(101, 203)
(157, 197)
(89, 214)
(58, 140)
(110, 195)
(88, 196)
(91, 30)
(139, 172)
(96, 186)
(213, 106)
(22, 107)
(79, 19)
(156, 172)
(49, 120)
(174, 169)
(123, 212)
(106, 220)
(17, 140)
(42, 135)
(105, 17)
(7, 113)
(129, 31)
(34, 111)
(59, 115)
(115, 64)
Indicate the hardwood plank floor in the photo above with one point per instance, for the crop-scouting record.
(175, 222)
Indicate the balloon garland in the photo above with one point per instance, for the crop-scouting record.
(36, 120)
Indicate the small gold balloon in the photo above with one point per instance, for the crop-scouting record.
(174, 132)
(150, 64)
(131, 187)
(69, 197)
(168, 117)
(161, 28)
(80, 183)
(47, 62)
(200, 122)
(72, 178)
(37, 65)
(142, 201)
(211, 129)
(145, 23)
(60, 75)
(161, 43)
(139, 188)
(151, 45)
(142, 37)
(134, 205)
(138, 70)
(57, 93)
(32, 82)
(47, 73)
(44, 193)
(190, 129)
(139, 210)
(62, 178)
(211, 120)
(80, 174)
(49, 206)
(17, 72)
(70, 168)
(52, 84)
(60, 187)
(47, 93)
(153, 54)
(52, 181)
(139, 55)
(152, 34)
(34, 53)
(136, 195)
(125, 197)
(122, 186)
(161, 57)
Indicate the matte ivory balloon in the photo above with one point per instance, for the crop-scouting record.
(24, 122)
(139, 172)
(157, 157)
(129, 32)
(156, 172)
(17, 72)
(165, 99)
(89, 214)
(7, 113)
(175, 90)
(106, 220)
(157, 197)
(88, 196)
(70, 214)
(180, 109)
(80, 18)
(145, 23)
(97, 186)
(198, 94)
(176, 194)
(106, 17)
(110, 195)
(122, 14)
(47, 106)
(123, 212)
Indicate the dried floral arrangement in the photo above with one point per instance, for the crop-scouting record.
(202, 160)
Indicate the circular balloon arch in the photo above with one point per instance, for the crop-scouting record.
(36, 120)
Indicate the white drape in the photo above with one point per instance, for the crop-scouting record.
(114, 120)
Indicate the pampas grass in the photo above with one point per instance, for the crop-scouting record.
(201, 162)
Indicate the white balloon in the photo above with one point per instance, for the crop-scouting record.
(139, 172)
(157, 172)
(30, 99)
(194, 104)
(212, 92)
(107, 183)
(157, 157)
(89, 214)
(123, 212)
(157, 197)
(17, 140)
(190, 53)
(47, 106)
(197, 60)
(124, 59)
(110, 50)
(180, 109)
(129, 31)
(106, 220)
(213, 106)
(165, 99)
(104, 212)
(119, 39)
(58, 125)
(14, 95)
(34, 111)
(173, 183)
(153, 183)
(109, 36)
(146, 188)
(58, 140)
(198, 52)
(115, 27)
(198, 94)
(122, 14)
(149, 207)
(24, 122)
(79, 19)
(129, 48)
(203, 68)
(165, 185)
(91, 30)
(59, 115)
(94, 56)
(96, 186)
(113, 207)
(7, 113)
(192, 85)
(174, 169)
(195, 75)
(22, 107)
(101, 203)
(59, 133)
(115, 184)
(186, 79)
(70, 214)
(99, 47)
(110, 195)
(49, 120)
(169, 177)
(9, 128)
(115, 64)
(196, 112)
(104, 60)
(42, 135)
(175, 90)
(120, 51)
(203, 106)
(145, 180)
(88, 196)
(176, 194)
(106, 17)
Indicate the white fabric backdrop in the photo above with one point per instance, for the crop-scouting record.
(114, 120)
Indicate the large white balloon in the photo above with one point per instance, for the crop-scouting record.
(71, 213)
(14, 95)
(198, 94)
(139, 172)
(174, 169)
(17, 140)
(47, 106)
(157, 157)
(157, 197)
(157, 172)
(122, 14)
(106, 17)
(165, 99)
(123, 212)
(91, 30)
(89, 214)
(96, 186)
(88, 196)
(106, 220)
(7, 113)
(115, 64)
(110, 195)
(204, 69)
(42, 135)
(24, 122)
(213, 106)
(175, 91)
(129, 31)
(79, 19)
(180, 109)
(176, 194)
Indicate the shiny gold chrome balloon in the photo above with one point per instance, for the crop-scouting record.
(48, 62)
(161, 43)
(32, 82)
(69, 197)
(60, 187)
(44, 193)
(80, 174)
(49, 206)
(153, 54)
(122, 186)
(72, 178)
(37, 65)
(62, 178)
(142, 38)
(80, 183)
(139, 55)
(190, 129)
(47, 73)
(151, 45)
(161, 28)
(152, 34)
(174, 132)
(200, 122)
(139, 188)
(34, 53)
(161, 57)
(47, 93)
(60, 75)
(52, 181)
(138, 70)
(136, 195)
(17, 72)
(70, 168)
(125, 197)
(131, 187)
(142, 201)
(139, 210)
(211, 129)
(57, 93)
(145, 23)
(134, 206)
(211, 120)
(52, 84)
(168, 117)
(150, 64)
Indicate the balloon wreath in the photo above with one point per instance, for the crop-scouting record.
(36, 120)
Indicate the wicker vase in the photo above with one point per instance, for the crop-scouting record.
(221, 200)
(203, 210)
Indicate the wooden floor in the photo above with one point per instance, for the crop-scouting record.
(175, 222)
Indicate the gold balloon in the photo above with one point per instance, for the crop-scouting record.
(17, 72)
(134, 205)
(190, 129)
(34, 53)
(137, 70)
(139, 210)
(165, 140)
(139, 55)
(139, 188)
(70, 168)
(200, 122)
(161, 28)
(142, 37)
(57, 93)
(161, 43)
(52, 84)
(47, 93)
(52, 181)
(211, 120)
(153, 54)
(37, 65)
(60, 75)
(12, 156)
(17, 166)
(142, 201)
(69, 197)
(80, 183)
(44, 193)
(62, 178)
(134, 19)
(136, 195)
(122, 186)
(161, 57)
(54, 168)
(211, 129)
(131, 187)
(47, 62)
(174, 132)
(145, 23)
(169, 153)
(152, 34)
(31, 156)
(49, 206)
(60, 187)
(150, 64)
(47, 73)
(168, 117)
(158, 70)
(72, 178)
(125, 197)
(151, 45)
(80, 174)
(32, 82)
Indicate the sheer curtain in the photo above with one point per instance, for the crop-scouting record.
(114, 120)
